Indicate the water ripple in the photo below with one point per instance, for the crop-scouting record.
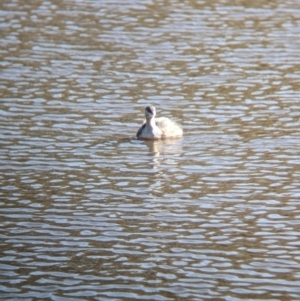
(89, 212)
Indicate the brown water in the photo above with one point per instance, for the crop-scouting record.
(90, 213)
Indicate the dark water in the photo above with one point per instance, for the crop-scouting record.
(90, 213)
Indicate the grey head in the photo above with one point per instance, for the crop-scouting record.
(150, 112)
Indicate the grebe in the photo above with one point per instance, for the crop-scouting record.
(159, 128)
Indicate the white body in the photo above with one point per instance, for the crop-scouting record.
(158, 128)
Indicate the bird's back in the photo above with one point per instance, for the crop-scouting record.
(169, 128)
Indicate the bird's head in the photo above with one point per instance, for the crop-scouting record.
(150, 112)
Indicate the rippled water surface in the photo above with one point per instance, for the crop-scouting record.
(90, 213)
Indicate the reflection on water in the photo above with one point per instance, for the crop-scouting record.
(88, 212)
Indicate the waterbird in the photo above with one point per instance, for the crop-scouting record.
(158, 128)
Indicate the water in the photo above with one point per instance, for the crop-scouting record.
(90, 213)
